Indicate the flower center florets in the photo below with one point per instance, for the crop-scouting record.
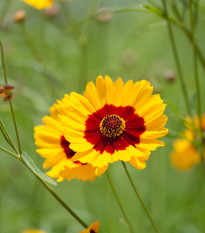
(112, 126)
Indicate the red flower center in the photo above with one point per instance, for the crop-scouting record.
(92, 231)
(114, 128)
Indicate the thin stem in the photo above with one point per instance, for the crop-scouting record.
(119, 203)
(10, 102)
(140, 200)
(15, 126)
(9, 152)
(174, 48)
(196, 80)
(176, 11)
(140, 9)
(58, 198)
(195, 66)
(3, 64)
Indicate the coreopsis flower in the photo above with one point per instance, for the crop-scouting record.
(94, 228)
(56, 150)
(40, 4)
(185, 154)
(33, 231)
(114, 121)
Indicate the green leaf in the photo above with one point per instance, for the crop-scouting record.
(32, 166)
(6, 136)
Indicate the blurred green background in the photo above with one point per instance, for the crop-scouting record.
(45, 58)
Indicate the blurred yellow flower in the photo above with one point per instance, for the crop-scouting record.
(40, 4)
(94, 228)
(114, 121)
(185, 154)
(33, 231)
(56, 150)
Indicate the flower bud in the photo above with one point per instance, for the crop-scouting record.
(19, 16)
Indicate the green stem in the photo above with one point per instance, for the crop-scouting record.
(139, 198)
(119, 203)
(10, 102)
(58, 198)
(15, 126)
(176, 11)
(199, 112)
(174, 48)
(9, 152)
(3, 64)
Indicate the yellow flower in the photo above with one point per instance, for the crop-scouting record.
(185, 154)
(56, 150)
(113, 121)
(33, 231)
(94, 228)
(40, 4)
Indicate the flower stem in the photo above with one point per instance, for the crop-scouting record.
(9, 152)
(139, 198)
(197, 81)
(10, 102)
(119, 203)
(174, 48)
(57, 197)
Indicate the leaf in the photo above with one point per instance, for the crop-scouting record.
(32, 166)
(6, 136)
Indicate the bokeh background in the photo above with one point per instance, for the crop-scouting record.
(50, 54)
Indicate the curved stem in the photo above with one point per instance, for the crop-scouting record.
(139, 198)
(199, 113)
(58, 198)
(176, 57)
(119, 203)
(10, 102)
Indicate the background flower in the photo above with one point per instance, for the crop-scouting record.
(94, 228)
(185, 154)
(33, 231)
(39, 4)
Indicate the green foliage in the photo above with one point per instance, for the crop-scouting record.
(44, 60)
